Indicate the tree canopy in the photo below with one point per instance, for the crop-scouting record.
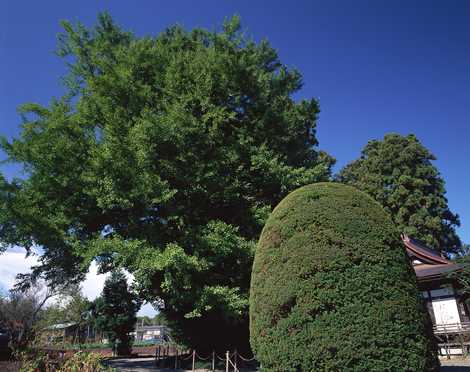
(398, 172)
(164, 157)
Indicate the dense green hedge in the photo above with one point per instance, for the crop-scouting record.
(332, 288)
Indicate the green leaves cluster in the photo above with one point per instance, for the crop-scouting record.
(399, 174)
(164, 157)
(332, 288)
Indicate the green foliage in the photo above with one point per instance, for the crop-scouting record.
(165, 157)
(84, 346)
(462, 276)
(115, 312)
(158, 319)
(37, 360)
(69, 307)
(333, 290)
(33, 360)
(84, 362)
(399, 174)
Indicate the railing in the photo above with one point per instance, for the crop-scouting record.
(452, 338)
(451, 328)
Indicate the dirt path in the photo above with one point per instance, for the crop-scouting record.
(455, 365)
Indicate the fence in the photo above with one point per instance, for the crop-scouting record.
(453, 339)
(174, 358)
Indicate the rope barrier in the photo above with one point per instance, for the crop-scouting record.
(188, 357)
(235, 354)
(246, 360)
(200, 357)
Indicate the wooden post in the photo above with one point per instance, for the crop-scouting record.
(176, 358)
(168, 356)
(194, 360)
(235, 356)
(226, 361)
(447, 343)
(213, 360)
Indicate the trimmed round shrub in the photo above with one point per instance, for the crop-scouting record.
(333, 290)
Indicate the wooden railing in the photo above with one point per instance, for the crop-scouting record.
(451, 328)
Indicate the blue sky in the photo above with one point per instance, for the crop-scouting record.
(376, 66)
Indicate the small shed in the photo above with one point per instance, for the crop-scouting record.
(61, 332)
(152, 332)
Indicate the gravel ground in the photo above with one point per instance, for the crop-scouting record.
(455, 365)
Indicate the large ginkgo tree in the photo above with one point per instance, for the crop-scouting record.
(164, 157)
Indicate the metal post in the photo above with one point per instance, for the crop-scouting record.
(226, 361)
(194, 359)
(213, 360)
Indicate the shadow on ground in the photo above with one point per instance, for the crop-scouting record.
(148, 364)
(134, 365)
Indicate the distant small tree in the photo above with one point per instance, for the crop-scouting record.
(115, 312)
(160, 319)
(20, 311)
(144, 321)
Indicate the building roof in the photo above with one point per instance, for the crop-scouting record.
(432, 265)
(422, 252)
(429, 272)
(61, 326)
(149, 328)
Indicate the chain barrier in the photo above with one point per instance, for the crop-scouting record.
(229, 359)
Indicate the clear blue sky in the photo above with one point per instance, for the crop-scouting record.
(376, 66)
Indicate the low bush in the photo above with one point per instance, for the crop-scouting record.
(37, 360)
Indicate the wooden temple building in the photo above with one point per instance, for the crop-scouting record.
(445, 301)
